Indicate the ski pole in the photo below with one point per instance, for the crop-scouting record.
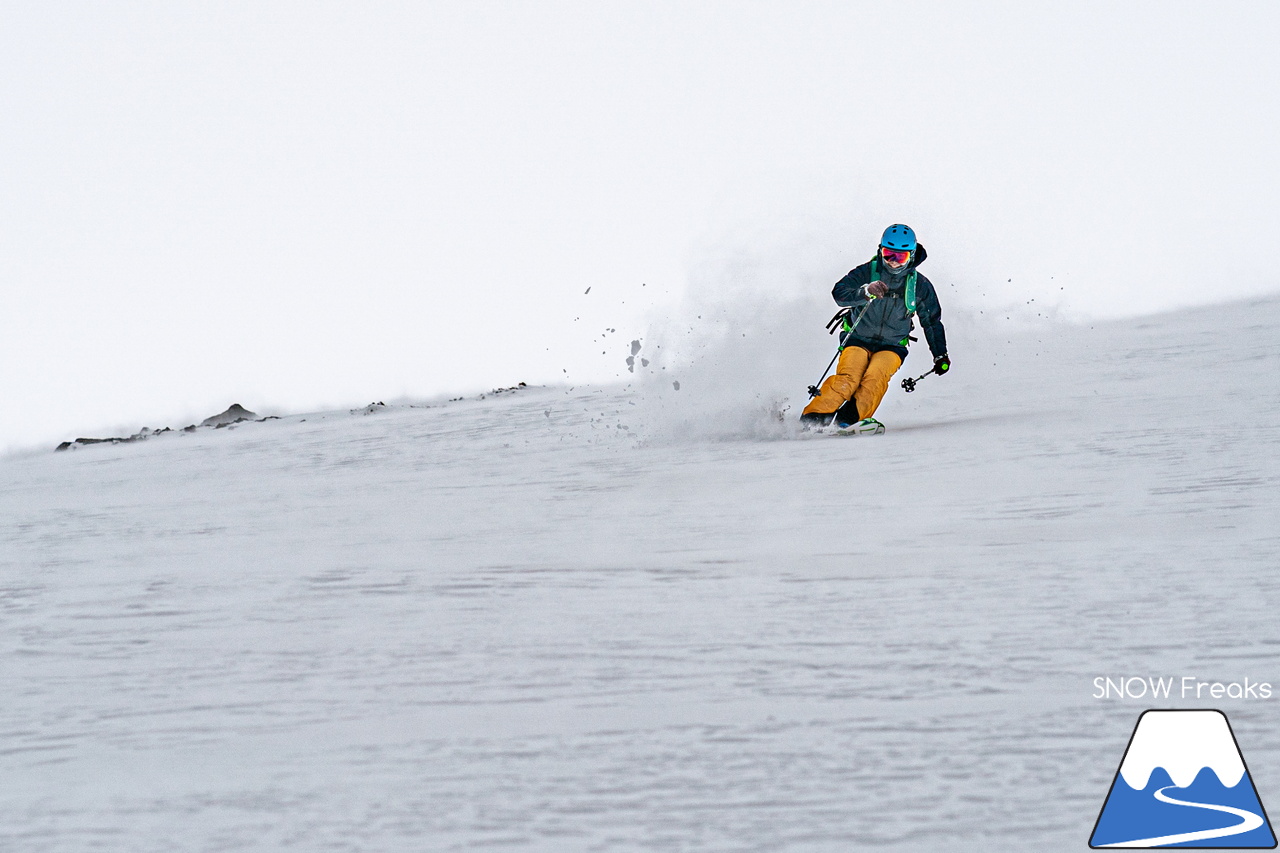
(909, 385)
(814, 390)
(831, 328)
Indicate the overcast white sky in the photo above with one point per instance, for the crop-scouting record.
(294, 204)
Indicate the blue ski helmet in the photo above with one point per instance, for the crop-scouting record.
(899, 237)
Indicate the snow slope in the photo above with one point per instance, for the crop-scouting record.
(512, 623)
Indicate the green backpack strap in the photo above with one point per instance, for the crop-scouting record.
(910, 298)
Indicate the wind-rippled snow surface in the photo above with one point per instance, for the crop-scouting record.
(515, 624)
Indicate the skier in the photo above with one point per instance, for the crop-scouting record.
(874, 341)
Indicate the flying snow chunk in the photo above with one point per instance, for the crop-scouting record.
(1183, 782)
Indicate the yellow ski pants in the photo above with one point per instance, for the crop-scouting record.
(861, 377)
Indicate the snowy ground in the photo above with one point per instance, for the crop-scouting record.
(512, 624)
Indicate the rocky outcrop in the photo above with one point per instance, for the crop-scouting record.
(235, 414)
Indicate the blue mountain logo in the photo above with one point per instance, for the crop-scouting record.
(1183, 783)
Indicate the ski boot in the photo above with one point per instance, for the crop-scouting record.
(815, 421)
(866, 426)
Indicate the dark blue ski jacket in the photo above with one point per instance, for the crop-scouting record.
(886, 325)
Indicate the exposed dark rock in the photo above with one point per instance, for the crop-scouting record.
(233, 415)
(80, 442)
(511, 390)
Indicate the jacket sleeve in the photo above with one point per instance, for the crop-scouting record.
(929, 310)
(848, 290)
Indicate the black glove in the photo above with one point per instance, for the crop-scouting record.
(941, 364)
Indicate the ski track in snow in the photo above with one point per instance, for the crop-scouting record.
(504, 624)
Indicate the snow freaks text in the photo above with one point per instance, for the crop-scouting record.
(1185, 687)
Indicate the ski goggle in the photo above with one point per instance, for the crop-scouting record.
(894, 256)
